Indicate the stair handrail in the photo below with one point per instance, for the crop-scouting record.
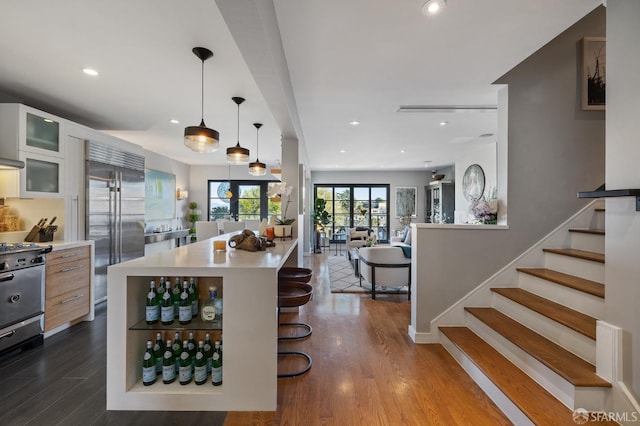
(602, 192)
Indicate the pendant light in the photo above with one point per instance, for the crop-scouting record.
(257, 168)
(238, 154)
(201, 138)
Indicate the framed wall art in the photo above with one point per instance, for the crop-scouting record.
(160, 195)
(406, 201)
(594, 73)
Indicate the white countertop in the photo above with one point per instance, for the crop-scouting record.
(201, 254)
(61, 244)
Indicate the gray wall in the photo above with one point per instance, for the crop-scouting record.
(394, 178)
(554, 151)
(622, 304)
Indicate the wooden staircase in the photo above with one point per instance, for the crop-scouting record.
(533, 349)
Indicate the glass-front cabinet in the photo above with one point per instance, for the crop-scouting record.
(34, 137)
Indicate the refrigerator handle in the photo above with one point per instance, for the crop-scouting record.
(112, 214)
(119, 218)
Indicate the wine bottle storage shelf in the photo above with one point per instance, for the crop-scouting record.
(159, 388)
(195, 324)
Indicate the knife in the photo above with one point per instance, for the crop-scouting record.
(53, 220)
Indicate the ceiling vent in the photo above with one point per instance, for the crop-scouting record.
(447, 108)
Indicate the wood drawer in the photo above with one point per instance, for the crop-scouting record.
(66, 307)
(66, 255)
(67, 276)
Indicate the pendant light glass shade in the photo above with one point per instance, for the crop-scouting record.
(256, 168)
(201, 138)
(238, 154)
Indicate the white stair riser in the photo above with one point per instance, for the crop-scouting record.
(587, 269)
(569, 297)
(571, 340)
(512, 412)
(588, 242)
(561, 389)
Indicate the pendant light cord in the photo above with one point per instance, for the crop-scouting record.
(202, 92)
(238, 125)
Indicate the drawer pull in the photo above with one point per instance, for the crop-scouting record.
(66, 256)
(8, 334)
(71, 299)
(71, 269)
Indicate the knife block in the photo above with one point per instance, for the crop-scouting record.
(45, 235)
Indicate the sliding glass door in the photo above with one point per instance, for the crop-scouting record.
(356, 205)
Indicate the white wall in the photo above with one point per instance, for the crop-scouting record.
(622, 222)
(485, 156)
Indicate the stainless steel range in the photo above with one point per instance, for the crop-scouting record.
(21, 294)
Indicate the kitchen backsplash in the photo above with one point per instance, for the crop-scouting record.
(28, 212)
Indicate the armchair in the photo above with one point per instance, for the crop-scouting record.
(357, 237)
(384, 265)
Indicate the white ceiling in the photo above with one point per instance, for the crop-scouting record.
(306, 68)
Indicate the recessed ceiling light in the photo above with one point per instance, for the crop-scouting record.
(342, 151)
(174, 121)
(432, 7)
(444, 123)
(402, 151)
(90, 71)
(354, 123)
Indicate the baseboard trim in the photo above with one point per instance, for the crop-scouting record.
(422, 338)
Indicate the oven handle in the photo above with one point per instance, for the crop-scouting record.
(8, 334)
(7, 277)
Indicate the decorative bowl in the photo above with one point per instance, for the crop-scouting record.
(437, 177)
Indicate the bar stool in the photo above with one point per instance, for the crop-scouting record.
(288, 273)
(293, 294)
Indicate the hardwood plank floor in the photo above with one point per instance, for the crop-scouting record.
(366, 371)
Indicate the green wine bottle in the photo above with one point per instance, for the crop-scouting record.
(195, 297)
(208, 351)
(166, 308)
(158, 352)
(216, 366)
(177, 290)
(185, 305)
(149, 366)
(168, 365)
(200, 369)
(185, 365)
(160, 290)
(177, 350)
(152, 314)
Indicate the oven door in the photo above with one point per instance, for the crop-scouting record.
(21, 295)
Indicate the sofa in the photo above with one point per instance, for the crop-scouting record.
(403, 240)
(384, 266)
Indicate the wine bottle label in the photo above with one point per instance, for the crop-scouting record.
(216, 375)
(216, 356)
(166, 314)
(208, 313)
(152, 313)
(148, 373)
(151, 296)
(185, 374)
(185, 313)
(200, 374)
(168, 372)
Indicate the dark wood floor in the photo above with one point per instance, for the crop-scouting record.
(366, 371)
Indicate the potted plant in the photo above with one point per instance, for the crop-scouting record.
(193, 216)
(282, 226)
(321, 218)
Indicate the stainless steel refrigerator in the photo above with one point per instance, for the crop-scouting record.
(114, 208)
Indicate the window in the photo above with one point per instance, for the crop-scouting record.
(248, 200)
(356, 205)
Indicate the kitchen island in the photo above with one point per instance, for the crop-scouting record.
(248, 282)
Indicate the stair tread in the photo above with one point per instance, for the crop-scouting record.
(568, 317)
(587, 286)
(572, 368)
(580, 254)
(599, 209)
(587, 231)
(540, 406)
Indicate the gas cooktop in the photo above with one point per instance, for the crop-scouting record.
(14, 247)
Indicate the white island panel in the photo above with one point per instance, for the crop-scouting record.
(250, 290)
